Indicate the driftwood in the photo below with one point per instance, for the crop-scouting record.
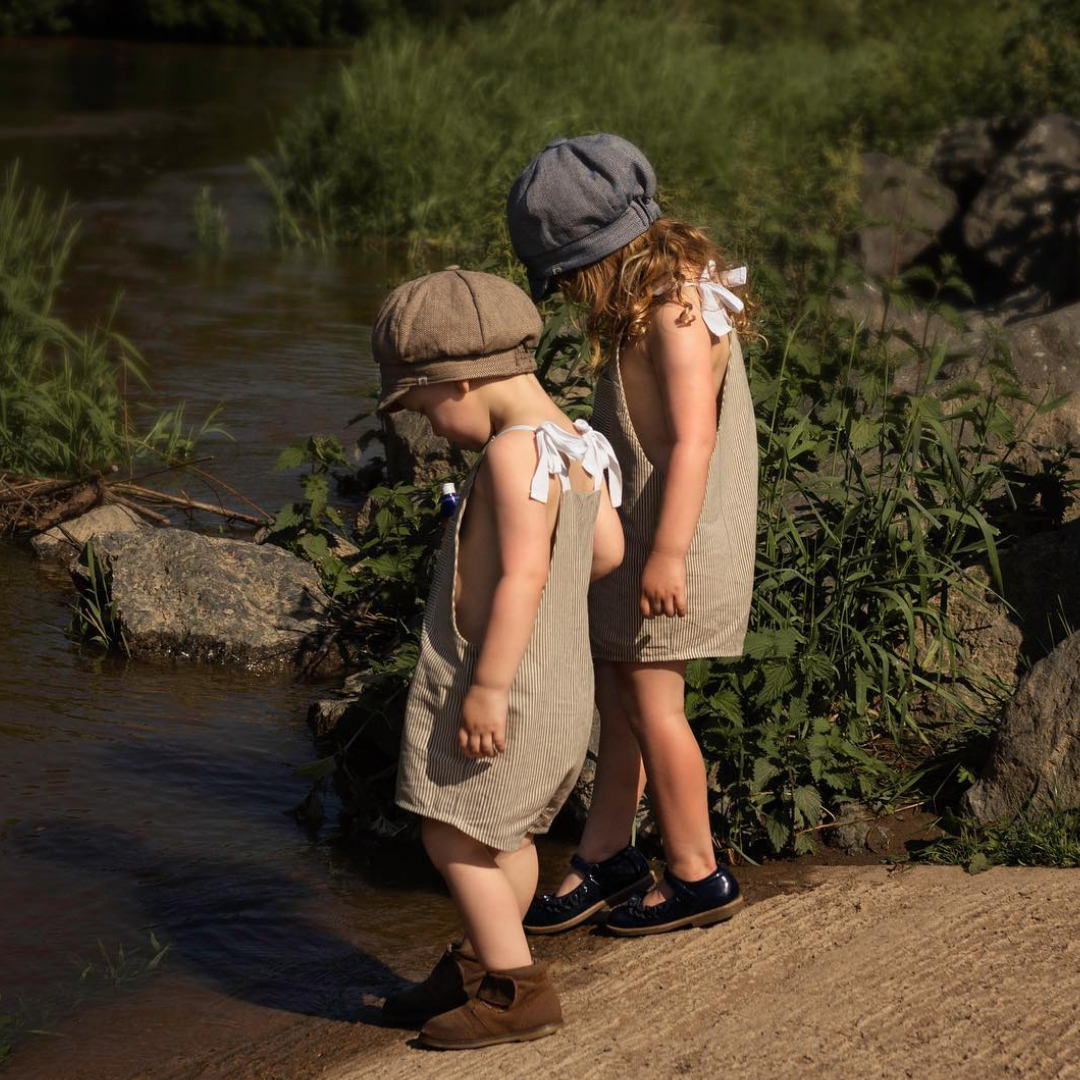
(184, 501)
(34, 504)
(28, 505)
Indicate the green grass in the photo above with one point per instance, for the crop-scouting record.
(210, 223)
(425, 130)
(1048, 839)
(873, 503)
(65, 394)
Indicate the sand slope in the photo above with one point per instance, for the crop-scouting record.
(865, 972)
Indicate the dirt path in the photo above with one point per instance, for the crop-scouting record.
(838, 972)
(921, 972)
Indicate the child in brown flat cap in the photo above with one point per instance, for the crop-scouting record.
(500, 708)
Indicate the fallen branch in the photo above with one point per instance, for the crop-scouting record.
(859, 820)
(139, 508)
(185, 502)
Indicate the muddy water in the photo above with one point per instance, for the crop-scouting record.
(140, 799)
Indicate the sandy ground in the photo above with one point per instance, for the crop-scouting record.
(867, 972)
(833, 971)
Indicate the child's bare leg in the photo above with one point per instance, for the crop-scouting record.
(521, 871)
(619, 782)
(676, 769)
(483, 894)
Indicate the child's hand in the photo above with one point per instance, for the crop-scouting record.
(483, 723)
(663, 586)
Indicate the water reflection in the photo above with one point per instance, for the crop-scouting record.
(139, 797)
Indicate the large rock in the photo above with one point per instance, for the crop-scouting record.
(906, 209)
(64, 541)
(1046, 355)
(964, 154)
(414, 453)
(1041, 604)
(1035, 762)
(182, 594)
(1026, 218)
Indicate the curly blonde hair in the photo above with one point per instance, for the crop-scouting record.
(621, 291)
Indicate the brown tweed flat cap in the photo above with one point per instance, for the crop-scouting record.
(454, 324)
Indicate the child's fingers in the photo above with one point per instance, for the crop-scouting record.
(500, 742)
(463, 741)
(487, 747)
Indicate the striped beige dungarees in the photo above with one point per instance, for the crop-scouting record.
(720, 561)
(499, 801)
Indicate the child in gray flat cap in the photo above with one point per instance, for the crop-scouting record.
(500, 707)
(672, 397)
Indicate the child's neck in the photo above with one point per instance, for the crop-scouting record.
(520, 401)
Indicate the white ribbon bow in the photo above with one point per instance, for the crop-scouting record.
(589, 447)
(716, 296)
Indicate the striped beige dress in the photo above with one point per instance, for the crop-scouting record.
(720, 562)
(499, 801)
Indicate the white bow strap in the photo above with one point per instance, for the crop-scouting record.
(716, 296)
(554, 446)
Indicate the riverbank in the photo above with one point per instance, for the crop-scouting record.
(853, 971)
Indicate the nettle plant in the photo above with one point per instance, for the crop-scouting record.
(873, 504)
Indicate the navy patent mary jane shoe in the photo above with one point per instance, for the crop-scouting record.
(606, 884)
(693, 903)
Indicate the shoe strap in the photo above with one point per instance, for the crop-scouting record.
(686, 888)
(585, 869)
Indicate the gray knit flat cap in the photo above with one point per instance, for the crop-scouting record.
(577, 201)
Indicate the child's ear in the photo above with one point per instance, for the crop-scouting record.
(463, 386)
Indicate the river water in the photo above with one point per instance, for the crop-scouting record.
(136, 798)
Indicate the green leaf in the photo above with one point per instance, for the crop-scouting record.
(291, 457)
(314, 546)
(979, 863)
(288, 517)
(808, 803)
(778, 831)
(764, 771)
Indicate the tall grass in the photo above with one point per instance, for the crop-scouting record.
(425, 130)
(874, 502)
(64, 406)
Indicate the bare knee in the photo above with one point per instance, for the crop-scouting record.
(446, 844)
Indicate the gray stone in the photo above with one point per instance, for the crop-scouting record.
(964, 154)
(182, 594)
(1035, 761)
(1026, 218)
(1046, 355)
(1041, 605)
(414, 453)
(64, 541)
(865, 303)
(905, 209)
(856, 831)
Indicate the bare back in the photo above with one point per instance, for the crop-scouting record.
(478, 566)
(645, 397)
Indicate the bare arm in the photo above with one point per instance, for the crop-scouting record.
(524, 551)
(608, 544)
(680, 349)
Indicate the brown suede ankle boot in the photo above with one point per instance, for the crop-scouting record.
(453, 980)
(511, 1006)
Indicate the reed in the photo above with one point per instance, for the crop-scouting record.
(65, 394)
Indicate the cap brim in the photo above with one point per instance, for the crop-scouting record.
(540, 287)
(391, 400)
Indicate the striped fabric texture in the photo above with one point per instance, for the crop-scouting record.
(720, 562)
(498, 801)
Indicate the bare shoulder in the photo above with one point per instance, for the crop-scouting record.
(510, 462)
